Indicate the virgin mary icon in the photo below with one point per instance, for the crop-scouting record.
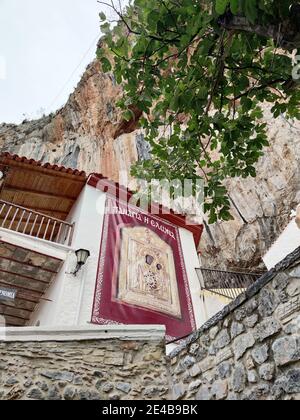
(147, 276)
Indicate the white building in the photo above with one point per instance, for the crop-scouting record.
(47, 213)
(286, 243)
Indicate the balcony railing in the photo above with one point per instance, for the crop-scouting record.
(32, 223)
(228, 284)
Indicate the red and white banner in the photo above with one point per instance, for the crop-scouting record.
(141, 275)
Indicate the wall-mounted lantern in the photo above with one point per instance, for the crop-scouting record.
(82, 256)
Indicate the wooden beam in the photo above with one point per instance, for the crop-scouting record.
(4, 312)
(47, 210)
(24, 277)
(37, 193)
(15, 304)
(26, 249)
(46, 172)
(15, 286)
(28, 264)
(22, 296)
(15, 322)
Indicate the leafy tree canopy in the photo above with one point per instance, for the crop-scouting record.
(200, 72)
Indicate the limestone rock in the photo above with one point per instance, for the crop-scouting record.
(12, 381)
(293, 288)
(195, 370)
(260, 354)
(287, 383)
(220, 390)
(239, 379)
(222, 339)
(188, 362)
(70, 394)
(204, 394)
(194, 348)
(224, 370)
(292, 381)
(267, 328)
(252, 377)
(179, 391)
(236, 329)
(267, 303)
(249, 362)
(281, 281)
(35, 394)
(242, 344)
(194, 385)
(213, 332)
(286, 350)
(251, 321)
(59, 376)
(293, 327)
(266, 371)
(124, 387)
(261, 205)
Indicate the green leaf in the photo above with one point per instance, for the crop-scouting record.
(105, 28)
(100, 53)
(221, 6)
(234, 6)
(246, 103)
(102, 17)
(251, 10)
(128, 115)
(106, 66)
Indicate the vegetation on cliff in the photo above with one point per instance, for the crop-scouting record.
(200, 72)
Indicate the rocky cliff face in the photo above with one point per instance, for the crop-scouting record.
(261, 205)
(89, 134)
(86, 133)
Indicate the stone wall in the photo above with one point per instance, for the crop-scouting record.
(84, 365)
(250, 350)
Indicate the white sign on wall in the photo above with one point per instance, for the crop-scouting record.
(7, 294)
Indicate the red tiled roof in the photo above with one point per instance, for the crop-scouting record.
(50, 166)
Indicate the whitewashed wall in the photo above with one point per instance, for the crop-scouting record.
(71, 298)
(191, 263)
(287, 242)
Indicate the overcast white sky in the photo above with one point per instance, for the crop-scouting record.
(42, 42)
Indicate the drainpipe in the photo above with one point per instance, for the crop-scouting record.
(82, 279)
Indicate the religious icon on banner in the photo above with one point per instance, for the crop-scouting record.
(142, 279)
(147, 274)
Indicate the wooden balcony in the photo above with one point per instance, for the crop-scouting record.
(38, 225)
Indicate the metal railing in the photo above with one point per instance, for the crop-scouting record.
(38, 225)
(229, 284)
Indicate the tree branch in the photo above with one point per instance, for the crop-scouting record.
(133, 32)
(258, 88)
(285, 36)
